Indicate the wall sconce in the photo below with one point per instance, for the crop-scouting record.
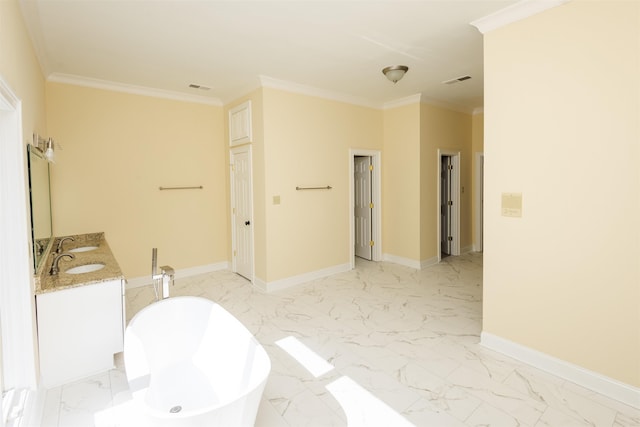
(45, 146)
(395, 72)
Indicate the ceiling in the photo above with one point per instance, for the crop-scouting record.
(232, 47)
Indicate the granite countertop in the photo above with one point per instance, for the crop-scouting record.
(45, 282)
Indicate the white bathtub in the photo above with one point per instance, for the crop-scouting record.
(191, 363)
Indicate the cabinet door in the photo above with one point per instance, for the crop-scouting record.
(79, 330)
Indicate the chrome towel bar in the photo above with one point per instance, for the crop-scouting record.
(200, 187)
(328, 187)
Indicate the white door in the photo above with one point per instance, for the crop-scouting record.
(242, 211)
(446, 204)
(363, 207)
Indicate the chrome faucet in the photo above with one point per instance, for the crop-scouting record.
(56, 259)
(61, 241)
(165, 276)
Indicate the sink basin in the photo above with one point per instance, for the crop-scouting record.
(83, 249)
(87, 268)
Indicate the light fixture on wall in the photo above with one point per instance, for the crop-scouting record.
(395, 72)
(45, 146)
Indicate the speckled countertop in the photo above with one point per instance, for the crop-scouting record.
(45, 282)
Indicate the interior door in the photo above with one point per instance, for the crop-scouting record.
(363, 207)
(446, 204)
(242, 212)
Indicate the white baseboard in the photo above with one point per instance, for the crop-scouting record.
(599, 383)
(137, 282)
(428, 262)
(412, 263)
(280, 284)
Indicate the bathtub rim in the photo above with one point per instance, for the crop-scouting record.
(138, 397)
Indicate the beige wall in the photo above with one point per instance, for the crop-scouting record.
(20, 69)
(448, 131)
(562, 127)
(118, 150)
(306, 143)
(401, 182)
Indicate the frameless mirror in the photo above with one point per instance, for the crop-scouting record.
(40, 198)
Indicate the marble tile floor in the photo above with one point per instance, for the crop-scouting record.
(399, 346)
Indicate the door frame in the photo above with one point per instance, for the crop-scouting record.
(232, 153)
(455, 198)
(376, 199)
(479, 205)
(17, 310)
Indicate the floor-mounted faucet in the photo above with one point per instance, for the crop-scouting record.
(165, 276)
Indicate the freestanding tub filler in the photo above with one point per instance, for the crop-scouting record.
(189, 362)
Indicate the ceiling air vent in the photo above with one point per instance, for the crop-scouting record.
(456, 80)
(195, 86)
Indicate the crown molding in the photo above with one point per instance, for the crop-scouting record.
(407, 100)
(132, 89)
(269, 82)
(516, 12)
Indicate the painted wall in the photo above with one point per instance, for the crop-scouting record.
(448, 131)
(306, 143)
(118, 150)
(562, 110)
(20, 70)
(401, 165)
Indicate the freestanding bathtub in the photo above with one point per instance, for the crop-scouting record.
(189, 362)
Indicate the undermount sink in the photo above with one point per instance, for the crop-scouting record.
(84, 249)
(86, 268)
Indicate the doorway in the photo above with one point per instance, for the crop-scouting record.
(365, 236)
(242, 211)
(448, 204)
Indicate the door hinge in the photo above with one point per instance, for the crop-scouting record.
(370, 167)
(370, 242)
(234, 211)
(234, 253)
(371, 205)
(233, 167)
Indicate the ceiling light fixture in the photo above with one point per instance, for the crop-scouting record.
(395, 72)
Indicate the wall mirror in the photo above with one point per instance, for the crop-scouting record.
(40, 202)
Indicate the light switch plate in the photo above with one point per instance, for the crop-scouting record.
(512, 205)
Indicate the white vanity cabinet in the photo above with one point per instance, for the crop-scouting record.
(79, 330)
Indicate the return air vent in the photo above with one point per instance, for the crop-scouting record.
(456, 80)
(195, 86)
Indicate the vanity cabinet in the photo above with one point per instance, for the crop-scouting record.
(79, 330)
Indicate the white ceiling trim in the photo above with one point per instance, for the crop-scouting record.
(132, 89)
(272, 83)
(513, 13)
(407, 100)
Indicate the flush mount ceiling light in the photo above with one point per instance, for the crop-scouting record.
(395, 72)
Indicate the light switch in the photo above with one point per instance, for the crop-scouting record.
(512, 205)
(276, 200)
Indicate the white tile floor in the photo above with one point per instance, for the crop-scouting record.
(404, 349)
